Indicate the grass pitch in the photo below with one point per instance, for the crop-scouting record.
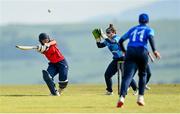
(86, 98)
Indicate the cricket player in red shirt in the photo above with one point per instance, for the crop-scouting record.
(57, 64)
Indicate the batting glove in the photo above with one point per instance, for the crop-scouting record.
(42, 48)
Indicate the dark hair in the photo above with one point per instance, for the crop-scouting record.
(111, 29)
(42, 37)
(143, 18)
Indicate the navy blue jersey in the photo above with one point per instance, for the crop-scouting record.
(113, 46)
(138, 36)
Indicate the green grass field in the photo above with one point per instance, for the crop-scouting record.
(86, 98)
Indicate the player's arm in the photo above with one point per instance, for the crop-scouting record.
(45, 47)
(152, 44)
(52, 42)
(100, 45)
(123, 38)
(110, 41)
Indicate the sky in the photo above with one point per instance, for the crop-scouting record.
(62, 11)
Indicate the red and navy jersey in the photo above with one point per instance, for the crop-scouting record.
(53, 54)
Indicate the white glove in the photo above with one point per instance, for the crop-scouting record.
(102, 34)
(42, 48)
(98, 40)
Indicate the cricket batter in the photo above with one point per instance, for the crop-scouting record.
(57, 64)
(137, 57)
(112, 43)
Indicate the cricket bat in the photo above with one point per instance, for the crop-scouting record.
(26, 47)
(151, 57)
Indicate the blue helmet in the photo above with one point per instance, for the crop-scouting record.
(143, 18)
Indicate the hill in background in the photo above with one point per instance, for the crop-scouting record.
(87, 63)
(169, 10)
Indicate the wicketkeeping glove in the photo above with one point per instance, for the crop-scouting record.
(96, 33)
(102, 34)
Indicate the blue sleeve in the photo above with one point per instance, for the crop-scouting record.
(151, 32)
(108, 41)
(117, 39)
(151, 39)
(152, 43)
(105, 42)
(122, 39)
(125, 36)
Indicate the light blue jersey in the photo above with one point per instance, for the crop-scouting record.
(138, 36)
(113, 46)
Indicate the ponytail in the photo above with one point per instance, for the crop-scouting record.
(111, 29)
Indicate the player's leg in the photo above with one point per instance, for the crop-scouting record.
(134, 86)
(142, 77)
(142, 66)
(63, 75)
(148, 70)
(129, 69)
(133, 82)
(110, 71)
(48, 78)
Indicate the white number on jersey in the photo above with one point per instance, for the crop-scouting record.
(137, 34)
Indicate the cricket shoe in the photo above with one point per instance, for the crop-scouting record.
(60, 91)
(147, 87)
(120, 102)
(57, 94)
(108, 93)
(135, 93)
(140, 100)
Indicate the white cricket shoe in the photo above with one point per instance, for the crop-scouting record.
(140, 100)
(108, 93)
(57, 94)
(60, 91)
(147, 87)
(135, 92)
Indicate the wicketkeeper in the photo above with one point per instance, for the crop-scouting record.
(111, 40)
(57, 64)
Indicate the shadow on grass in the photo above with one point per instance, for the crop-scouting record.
(22, 95)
